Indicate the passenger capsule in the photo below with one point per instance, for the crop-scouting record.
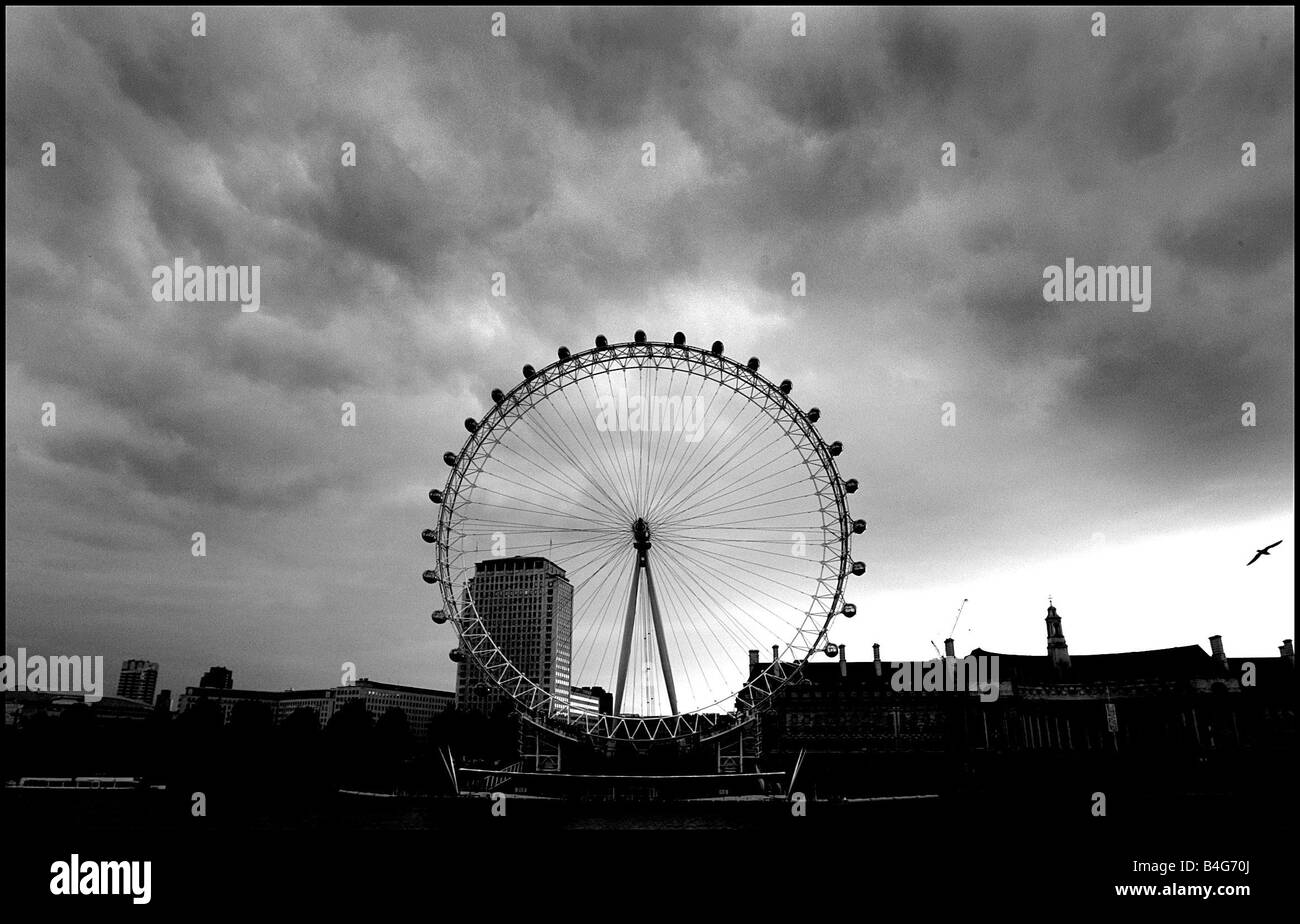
(859, 568)
(529, 371)
(601, 342)
(639, 336)
(786, 386)
(498, 396)
(449, 458)
(850, 610)
(717, 348)
(439, 617)
(752, 364)
(832, 650)
(436, 496)
(679, 339)
(859, 526)
(456, 655)
(563, 353)
(431, 577)
(428, 535)
(836, 448)
(471, 424)
(850, 486)
(814, 414)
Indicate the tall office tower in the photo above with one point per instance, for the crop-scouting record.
(218, 678)
(137, 681)
(526, 604)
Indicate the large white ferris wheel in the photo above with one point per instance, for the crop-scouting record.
(696, 513)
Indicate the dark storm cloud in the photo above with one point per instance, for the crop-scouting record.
(1138, 111)
(608, 66)
(988, 235)
(841, 181)
(1243, 236)
(179, 471)
(292, 364)
(1258, 84)
(923, 50)
(821, 95)
(521, 155)
(391, 214)
(1158, 387)
(1142, 119)
(1008, 305)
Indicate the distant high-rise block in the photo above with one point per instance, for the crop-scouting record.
(526, 604)
(138, 680)
(590, 701)
(218, 678)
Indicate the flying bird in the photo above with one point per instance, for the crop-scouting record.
(1263, 551)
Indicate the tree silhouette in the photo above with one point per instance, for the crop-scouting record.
(349, 737)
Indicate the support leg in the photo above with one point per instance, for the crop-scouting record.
(626, 650)
(661, 639)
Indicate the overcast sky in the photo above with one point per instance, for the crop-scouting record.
(1099, 453)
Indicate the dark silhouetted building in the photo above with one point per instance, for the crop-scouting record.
(138, 680)
(1170, 706)
(217, 678)
(23, 706)
(419, 705)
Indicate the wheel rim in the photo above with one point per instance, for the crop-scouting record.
(562, 467)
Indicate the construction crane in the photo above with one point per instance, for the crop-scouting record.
(958, 619)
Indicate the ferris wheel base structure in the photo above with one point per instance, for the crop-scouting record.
(551, 762)
(747, 513)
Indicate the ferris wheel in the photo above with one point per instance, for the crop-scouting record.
(647, 518)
